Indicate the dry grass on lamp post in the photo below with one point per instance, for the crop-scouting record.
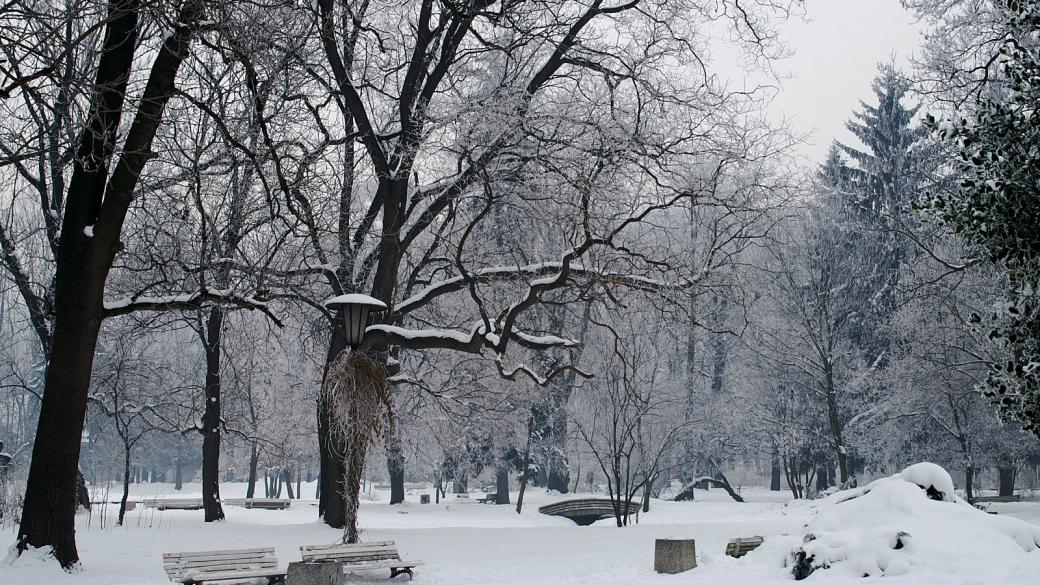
(357, 393)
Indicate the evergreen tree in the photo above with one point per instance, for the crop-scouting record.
(997, 208)
(883, 180)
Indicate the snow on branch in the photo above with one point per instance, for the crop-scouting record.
(547, 270)
(186, 301)
(472, 342)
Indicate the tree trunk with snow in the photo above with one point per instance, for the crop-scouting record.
(394, 463)
(98, 202)
(211, 422)
(254, 456)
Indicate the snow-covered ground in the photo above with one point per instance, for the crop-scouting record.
(464, 542)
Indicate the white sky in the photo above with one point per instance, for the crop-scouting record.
(836, 53)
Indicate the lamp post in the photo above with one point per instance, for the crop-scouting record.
(355, 309)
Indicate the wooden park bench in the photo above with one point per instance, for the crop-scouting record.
(998, 499)
(223, 565)
(488, 499)
(361, 556)
(585, 511)
(739, 547)
(259, 503)
(173, 503)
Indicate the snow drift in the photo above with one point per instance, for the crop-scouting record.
(913, 524)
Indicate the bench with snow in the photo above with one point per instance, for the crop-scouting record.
(488, 499)
(361, 556)
(739, 547)
(223, 565)
(259, 503)
(173, 503)
(585, 511)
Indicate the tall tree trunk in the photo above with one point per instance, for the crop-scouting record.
(126, 485)
(178, 476)
(525, 470)
(647, 489)
(211, 424)
(969, 483)
(299, 487)
(48, 513)
(775, 471)
(1006, 480)
(394, 463)
(502, 486)
(287, 480)
(821, 478)
(837, 435)
(254, 456)
(332, 450)
(82, 494)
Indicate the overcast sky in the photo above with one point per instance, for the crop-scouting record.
(836, 53)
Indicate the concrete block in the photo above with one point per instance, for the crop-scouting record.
(315, 573)
(674, 555)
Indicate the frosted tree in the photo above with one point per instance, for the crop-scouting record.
(996, 208)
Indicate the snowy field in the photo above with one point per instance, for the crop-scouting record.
(465, 542)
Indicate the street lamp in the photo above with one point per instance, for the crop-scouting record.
(355, 309)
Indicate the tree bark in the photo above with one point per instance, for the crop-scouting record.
(834, 419)
(394, 463)
(332, 451)
(287, 480)
(355, 465)
(211, 423)
(1006, 480)
(525, 471)
(969, 484)
(775, 471)
(83, 263)
(82, 494)
(254, 456)
(502, 486)
(178, 477)
(126, 485)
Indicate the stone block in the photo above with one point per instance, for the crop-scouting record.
(674, 555)
(315, 573)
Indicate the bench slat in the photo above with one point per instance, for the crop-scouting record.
(354, 558)
(219, 553)
(378, 544)
(383, 565)
(232, 575)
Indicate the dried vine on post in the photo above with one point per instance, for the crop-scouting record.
(358, 395)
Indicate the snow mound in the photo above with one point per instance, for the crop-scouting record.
(912, 524)
(933, 479)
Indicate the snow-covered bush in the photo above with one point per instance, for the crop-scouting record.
(909, 523)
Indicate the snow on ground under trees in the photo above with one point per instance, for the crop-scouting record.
(463, 541)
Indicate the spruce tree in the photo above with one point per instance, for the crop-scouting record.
(884, 177)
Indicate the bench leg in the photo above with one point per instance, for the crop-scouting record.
(396, 572)
(275, 579)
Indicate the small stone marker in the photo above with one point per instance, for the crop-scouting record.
(673, 555)
(311, 573)
(424, 498)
